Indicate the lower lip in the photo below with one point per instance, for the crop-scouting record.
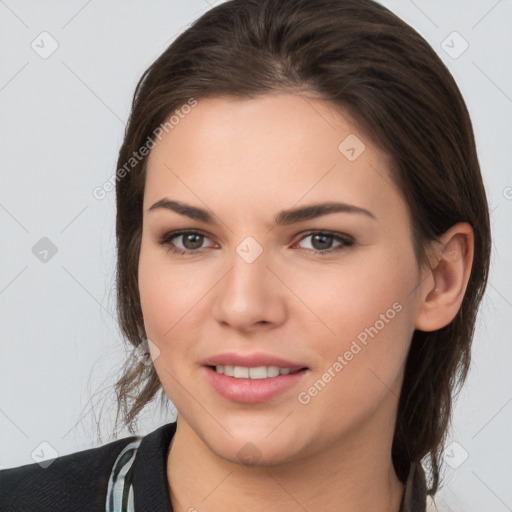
(252, 391)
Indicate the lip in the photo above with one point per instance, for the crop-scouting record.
(251, 360)
(252, 391)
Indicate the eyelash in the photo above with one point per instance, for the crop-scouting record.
(166, 239)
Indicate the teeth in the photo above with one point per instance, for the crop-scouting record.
(258, 372)
(240, 372)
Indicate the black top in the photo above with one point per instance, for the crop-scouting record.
(82, 481)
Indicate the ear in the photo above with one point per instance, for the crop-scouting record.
(444, 284)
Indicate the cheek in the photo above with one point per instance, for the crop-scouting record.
(371, 312)
(167, 294)
(167, 300)
(352, 298)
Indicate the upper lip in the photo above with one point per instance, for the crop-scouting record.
(251, 360)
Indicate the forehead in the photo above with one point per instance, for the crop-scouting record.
(275, 148)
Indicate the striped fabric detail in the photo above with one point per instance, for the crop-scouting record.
(120, 489)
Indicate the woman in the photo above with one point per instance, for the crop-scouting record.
(303, 243)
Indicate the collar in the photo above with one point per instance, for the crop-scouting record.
(149, 479)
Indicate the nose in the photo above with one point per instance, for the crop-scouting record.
(250, 295)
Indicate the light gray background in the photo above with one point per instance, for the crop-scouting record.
(61, 125)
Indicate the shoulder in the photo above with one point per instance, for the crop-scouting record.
(78, 481)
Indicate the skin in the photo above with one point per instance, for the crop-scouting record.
(244, 161)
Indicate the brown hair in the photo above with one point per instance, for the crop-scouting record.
(362, 58)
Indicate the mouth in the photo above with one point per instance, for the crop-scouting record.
(252, 385)
(255, 372)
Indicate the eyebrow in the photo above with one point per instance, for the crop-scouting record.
(283, 218)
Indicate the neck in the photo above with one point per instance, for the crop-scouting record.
(355, 474)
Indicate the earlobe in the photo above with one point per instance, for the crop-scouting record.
(441, 296)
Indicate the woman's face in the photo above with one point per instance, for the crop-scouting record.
(333, 294)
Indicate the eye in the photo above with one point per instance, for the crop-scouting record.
(191, 241)
(322, 241)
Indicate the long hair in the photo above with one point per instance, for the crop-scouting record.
(357, 55)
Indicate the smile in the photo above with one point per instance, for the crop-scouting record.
(253, 385)
(257, 372)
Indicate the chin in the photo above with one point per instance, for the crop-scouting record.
(251, 454)
(257, 450)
